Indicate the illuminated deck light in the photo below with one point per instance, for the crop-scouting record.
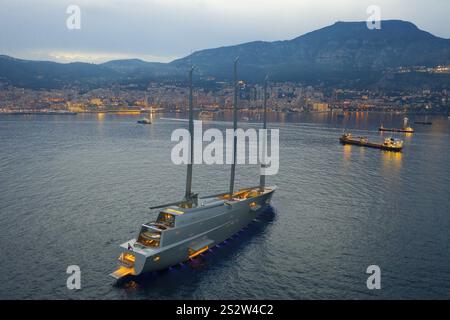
(174, 211)
(196, 253)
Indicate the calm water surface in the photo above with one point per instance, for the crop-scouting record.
(73, 187)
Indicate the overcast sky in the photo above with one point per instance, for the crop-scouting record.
(161, 30)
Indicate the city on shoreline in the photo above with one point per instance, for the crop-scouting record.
(218, 95)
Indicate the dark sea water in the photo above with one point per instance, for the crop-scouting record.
(74, 187)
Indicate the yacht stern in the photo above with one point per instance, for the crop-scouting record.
(131, 260)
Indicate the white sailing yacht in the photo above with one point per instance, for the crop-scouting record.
(189, 227)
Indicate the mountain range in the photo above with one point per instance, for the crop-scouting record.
(345, 53)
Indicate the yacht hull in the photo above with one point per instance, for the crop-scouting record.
(219, 223)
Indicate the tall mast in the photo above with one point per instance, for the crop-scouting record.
(235, 109)
(188, 195)
(262, 177)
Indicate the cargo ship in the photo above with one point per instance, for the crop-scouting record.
(389, 144)
(405, 129)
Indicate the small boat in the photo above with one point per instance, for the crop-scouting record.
(405, 129)
(144, 121)
(206, 115)
(424, 122)
(389, 144)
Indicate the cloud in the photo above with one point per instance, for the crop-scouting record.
(89, 56)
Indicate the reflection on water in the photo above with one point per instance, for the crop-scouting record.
(392, 157)
(347, 154)
(100, 116)
(362, 152)
(408, 135)
(392, 162)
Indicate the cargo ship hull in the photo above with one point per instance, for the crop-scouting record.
(369, 144)
(396, 130)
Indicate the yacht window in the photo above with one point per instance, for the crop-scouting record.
(166, 219)
(149, 237)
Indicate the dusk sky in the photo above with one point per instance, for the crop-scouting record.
(162, 30)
